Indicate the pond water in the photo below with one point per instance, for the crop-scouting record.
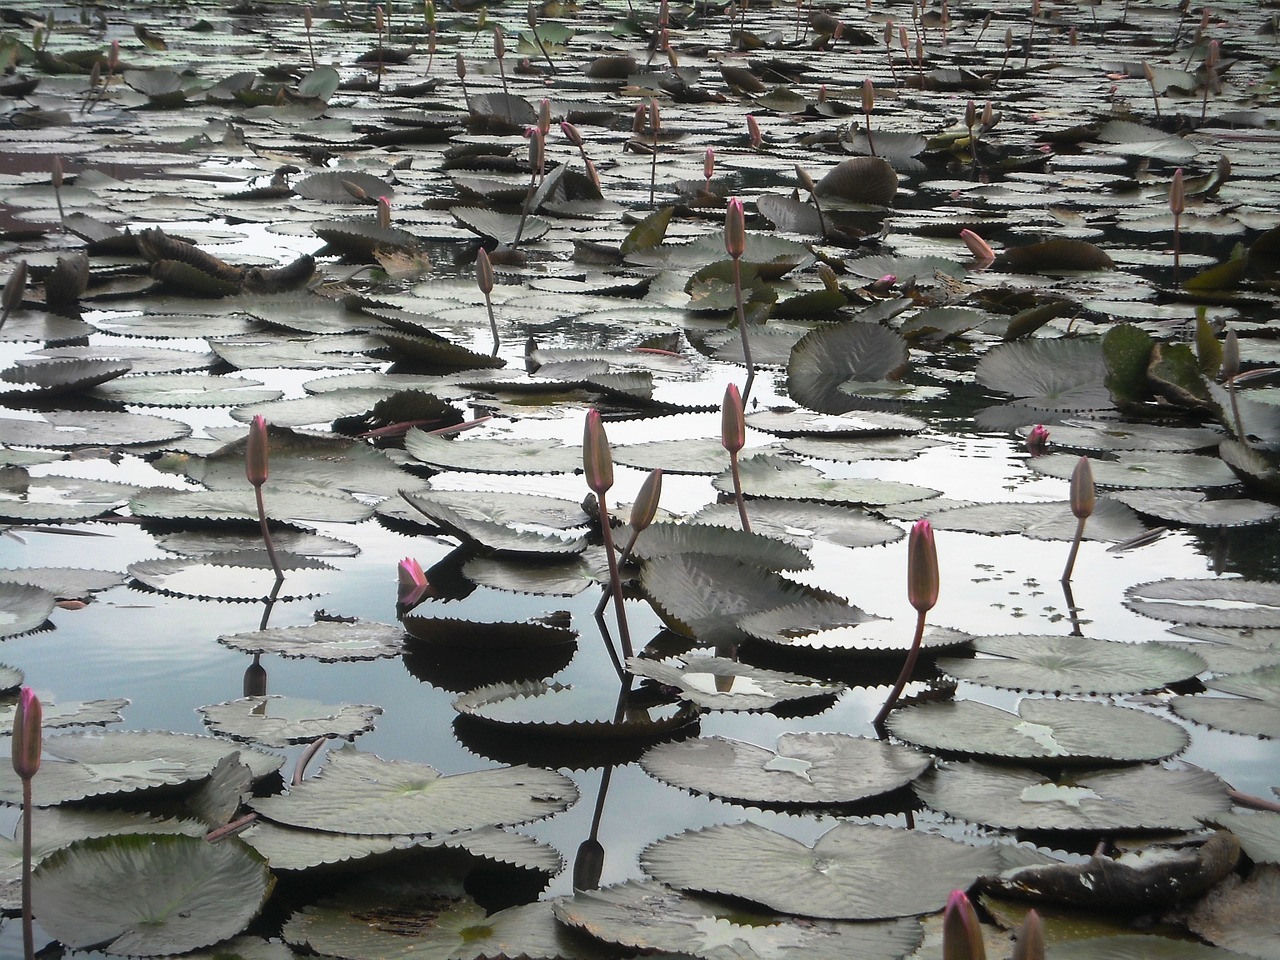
(1079, 154)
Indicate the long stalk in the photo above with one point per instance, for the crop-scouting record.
(742, 329)
(28, 931)
(615, 578)
(266, 533)
(900, 684)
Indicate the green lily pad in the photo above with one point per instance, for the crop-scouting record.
(1191, 507)
(1133, 469)
(565, 577)
(241, 575)
(801, 523)
(830, 356)
(23, 608)
(149, 894)
(185, 390)
(1138, 947)
(126, 762)
(813, 769)
(328, 641)
(854, 872)
(1132, 798)
(283, 503)
(718, 683)
(1257, 715)
(666, 539)
(648, 917)
(74, 428)
(1057, 731)
(1064, 375)
(277, 721)
(851, 424)
(490, 537)
(555, 709)
(1108, 437)
(1208, 603)
(69, 713)
(1111, 521)
(27, 499)
(1075, 665)
(1231, 650)
(1258, 832)
(470, 635)
(493, 455)
(359, 793)
(768, 476)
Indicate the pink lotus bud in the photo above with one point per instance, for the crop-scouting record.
(753, 133)
(531, 16)
(1177, 194)
(592, 175)
(255, 454)
(640, 119)
(961, 932)
(460, 66)
(484, 272)
(571, 133)
(733, 425)
(27, 718)
(1083, 496)
(379, 19)
(922, 567)
(883, 285)
(536, 155)
(15, 287)
(306, 18)
(970, 114)
(544, 116)
(1230, 355)
(822, 93)
(708, 163)
(735, 229)
(1037, 439)
(646, 506)
(1030, 943)
(806, 181)
(56, 176)
(868, 95)
(597, 459)
(655, 117)
(384, 212)
(980, 249)
(499, 44)
(113, 56)
(413, 583)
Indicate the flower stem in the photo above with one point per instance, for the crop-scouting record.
(266, 533)
(737, 491)
(742, 329)
(904, 676)
(28, 933)
(615, 578)
(1075, 548)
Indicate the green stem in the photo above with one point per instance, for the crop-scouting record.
(266, 534)
(1075, 548)
(904, 676)
(742, 330)
(615, 579)
(737, 492)
(28, 933)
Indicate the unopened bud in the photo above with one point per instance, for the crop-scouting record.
(484, 272)
(735, 229)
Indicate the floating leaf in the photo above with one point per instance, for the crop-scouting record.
(827, 357)
(807, 768)
(652, 917)
(769, 476)
(556, 709)
(494, 538)
(283, 503)
(802, 523)
(1258, 715)
(149, 895)
(359, 793)
(1208, 603)
(1242, 914)
(504, 228)
(1133, 798)
(73, 428)
(860, 180)
(850, 424)
(23, 607)
(1111, 521)
(70, 713)
(240, 575)
(327, 641)
(1134, 469)
(1258, 832)
(494, 455)
(666, 539)
(276, 721)
(1051, 374)
(1061, 731)
(718, 683)
(854, 872)
(1073, 664)
(1055, 257)
(1191, 507)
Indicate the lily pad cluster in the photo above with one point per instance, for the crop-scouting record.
(422, 242)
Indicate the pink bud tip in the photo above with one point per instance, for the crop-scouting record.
(961, 932)
(597, 458)
(980, 249)
(413, 583)
(27, 719)
(753, 132)
(571, 133)
(255, 456)
(922, 567)
(735, 229)
(1037, 439)
(733, 426)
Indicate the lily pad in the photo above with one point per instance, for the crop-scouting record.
(240, 575)
(493, 455)
(1208, 603)
(1076, 665)
(283, 503)
(1132, 798)
(1256, 715)
(1258, 832)
(801, 523)
(1111, 521)
(666, 539)
(70, 713)
(580, 713)
(490, 537)
(276, 721)
(327, 641)
(854, 872)
(360, 793)
(1191, 507)
(1242, 914)
(830, 356)
(1060, 375)
(718, 683)
(149, 895)
(1143, 470)
(23, 607)
(769, 476)
(74, 428)
(648, 916)
(811, 769)
(1057, 731)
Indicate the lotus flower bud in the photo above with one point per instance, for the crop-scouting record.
(15, 287)
(806, 181)
(988, 116)
(708, 163)
(429, 12)
(531, 16)
(1230, 355)
(980, 249)
(655, 118)
(499, 44)
(1073, 36)
(536, 155)
(544, 116)
(1083, 496)
(412, 582)
(27, 718)
(597, 459)
(113, 57)
(753, 133)
(384, 212)
(735, 229)
(56, 176)
(639, 119)
(1177, 194)
(884, 284)
(733, 425)
(484, 272)
(868, 95)
(970, 115)
(922, 567)
(1037, 439)
(255, 454)
(822, 93)
(592, 175)
(379, 19)
(1030, 943)
(664, 13)
(460, 66)
(571, 133)
(646, 506)
(1148, 73)
(903, 41)
(888, 32)
(1008, 38)
(306, 18)
(961, 933)
(830, 282)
